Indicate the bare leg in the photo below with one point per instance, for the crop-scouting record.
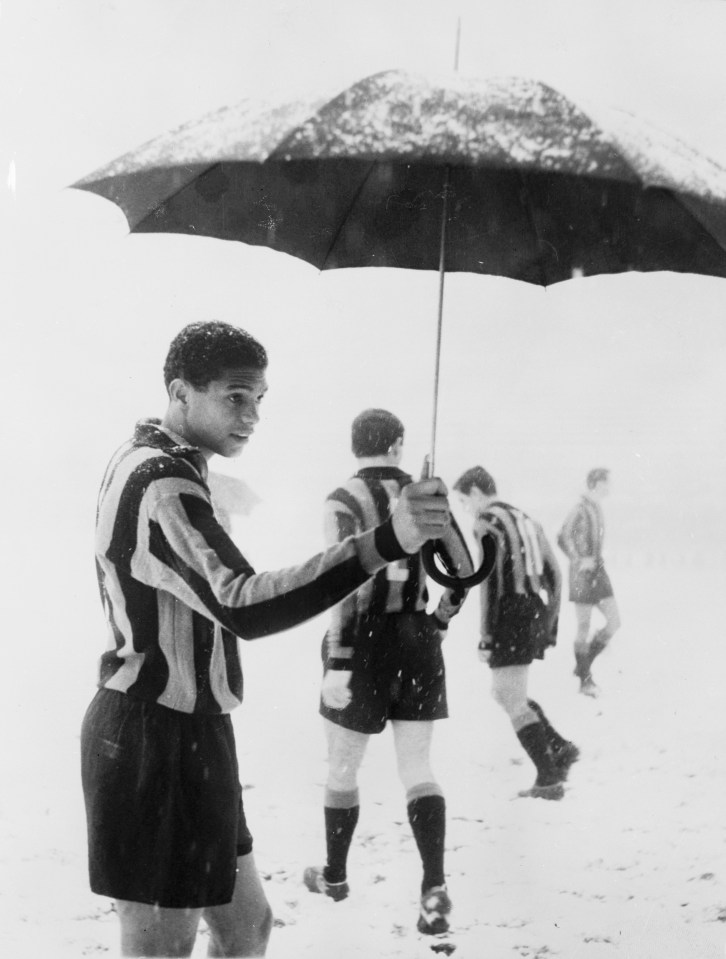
(426, 808)
(346, 749)
(583, 614)
(413, 752)
(509, 689)
(241, 928)
(154, 931)
(609, 608)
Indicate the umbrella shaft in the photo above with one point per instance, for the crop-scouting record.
(439, 324)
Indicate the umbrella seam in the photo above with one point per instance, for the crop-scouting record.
(533, 224)
(217, 163)
(344, 219)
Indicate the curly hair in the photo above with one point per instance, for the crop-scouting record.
(201, 352)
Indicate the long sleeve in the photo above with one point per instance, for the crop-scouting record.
(574, 538)
(191, 556)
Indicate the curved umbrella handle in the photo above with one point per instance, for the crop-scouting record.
(430, 551)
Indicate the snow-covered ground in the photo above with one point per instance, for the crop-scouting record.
(631, 863)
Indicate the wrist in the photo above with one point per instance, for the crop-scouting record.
(387, 542)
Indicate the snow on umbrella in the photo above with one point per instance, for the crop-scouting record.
(502, 176)
(537, 186)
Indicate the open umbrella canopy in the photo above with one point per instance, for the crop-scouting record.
(538, 188)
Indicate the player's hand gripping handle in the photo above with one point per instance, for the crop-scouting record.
(436, 549)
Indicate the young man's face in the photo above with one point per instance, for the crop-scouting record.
(221, 418)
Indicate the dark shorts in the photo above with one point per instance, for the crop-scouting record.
(163, 803)
(589, 586)
(521, 633)
(398, 673)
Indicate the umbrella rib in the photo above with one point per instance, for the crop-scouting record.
(344, 218)
(533, 224)
(174, 193)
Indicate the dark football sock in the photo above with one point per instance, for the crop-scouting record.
(534, 740)
(582, 664)
(553, 737)
(340, 823)
(427, 815)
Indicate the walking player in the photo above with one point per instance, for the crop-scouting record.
(520, 603)
(167, 836)
(383, 662)
(581, 538)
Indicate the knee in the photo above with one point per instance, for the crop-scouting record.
(258, 933)
(414, 771)
(264, 927)
(581, 633)
(511, 703)
(499, 696)
(342, 776)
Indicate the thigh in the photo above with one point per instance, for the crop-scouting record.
(412, 742)
(346, 749)
(242, 926)
(583, 615)
(148, 930)
(412, 738)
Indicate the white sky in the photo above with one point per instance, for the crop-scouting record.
(538, 386)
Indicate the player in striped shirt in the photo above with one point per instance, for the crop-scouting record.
(520, 604)
(383, 662)
(581, 539)
(167, 836)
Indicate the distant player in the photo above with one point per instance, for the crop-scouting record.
(581, 538)
(383, 663)
(520, 603)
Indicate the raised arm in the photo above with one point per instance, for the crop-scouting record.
(184, 550)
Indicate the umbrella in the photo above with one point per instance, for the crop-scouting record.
(503, 176)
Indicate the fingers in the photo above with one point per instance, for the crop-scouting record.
(422, 513)
(433, 486)
(428, 503)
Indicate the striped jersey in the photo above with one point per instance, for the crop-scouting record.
(583, 531)
(362, 503)
(177, 592)
(525, 562)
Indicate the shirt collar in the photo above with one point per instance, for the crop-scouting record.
(382, 472)
(150, 432)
